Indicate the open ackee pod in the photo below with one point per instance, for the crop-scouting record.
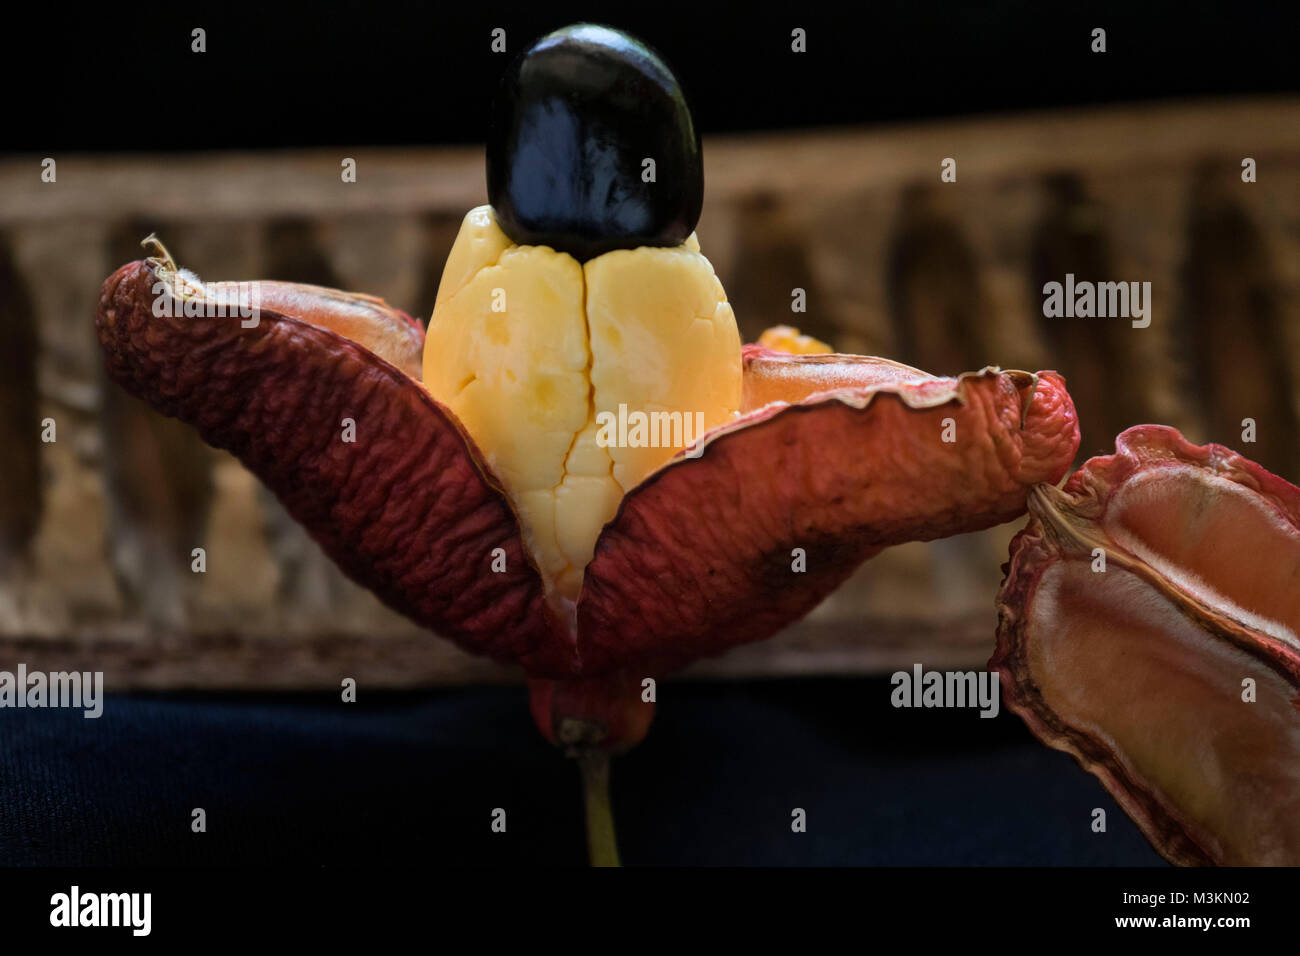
(829, 459)
(840, 456)
(1148, 626)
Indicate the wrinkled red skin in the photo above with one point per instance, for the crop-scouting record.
(705, 553)
(698, 558)
(276, 395)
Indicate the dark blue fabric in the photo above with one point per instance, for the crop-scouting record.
(413, 779)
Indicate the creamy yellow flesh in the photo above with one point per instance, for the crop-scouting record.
(529, 347)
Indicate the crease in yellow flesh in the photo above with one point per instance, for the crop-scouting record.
(538, 356)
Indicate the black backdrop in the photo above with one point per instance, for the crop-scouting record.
(378, 73)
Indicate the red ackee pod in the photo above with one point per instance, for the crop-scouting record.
(838, 456)
(1148, 626)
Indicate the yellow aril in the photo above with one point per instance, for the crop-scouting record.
(786, 338)
(528, 348)
(663, 339)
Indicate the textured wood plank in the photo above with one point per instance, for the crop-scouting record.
(226, 186)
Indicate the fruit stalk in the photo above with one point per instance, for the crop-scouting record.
(602, 845)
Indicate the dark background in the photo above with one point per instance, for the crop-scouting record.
(411, 779)
(394, 74)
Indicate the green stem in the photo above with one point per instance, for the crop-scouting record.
(601, 843)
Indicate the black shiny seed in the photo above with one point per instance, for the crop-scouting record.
(575, 119)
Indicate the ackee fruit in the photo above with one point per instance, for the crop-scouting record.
(516, 493)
